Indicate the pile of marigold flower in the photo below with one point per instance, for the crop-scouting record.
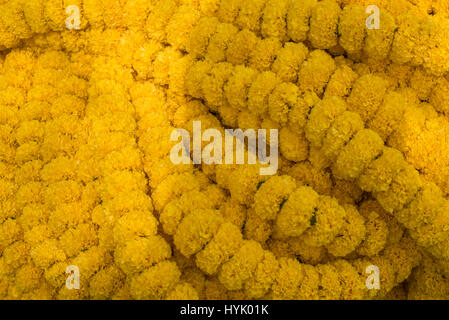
(86, 177)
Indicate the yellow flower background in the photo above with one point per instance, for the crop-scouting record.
(86, 178)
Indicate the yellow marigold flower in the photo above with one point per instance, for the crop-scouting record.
(397, 75)
(376, 235)
(309, 285)
(240, 50)
(143, 58)
(271, 194)
(7, 38)
(236, 88)
(47, 253)
(24, 153)
(298, 114)
(351, 235)
(294, 146)
(158, 18)
(260, 91)
(274, 19)
(307, 254)
(113, 13)
(357, 154)
(326, 222)
(183, 291)
(234, 213)
(134, 224)
(288, 279)
(249, 15)
(341, 82)
(352, 29)
(157, 140)
(124, 181)
(265, 54)
(180, 26)
(281, 100)
(343, 128)
(223, 245)
(155, 282)
(298, 16)
(28, 277)
(77, 239)
(93, 10)
(9, 116)
(241, 266)
(389, 115)
(32, 215)
(31, 192)
(379, 174)
(346, 191)
(329, 287)
(257, 228)
(423, 83)
(228, 10)
(289, 60)
(13, 19)
(402, 190)
(404, 256)
(195, 76)
(128, 201)
(191, 236)
(13, 96)
(135, 13)
(433, 234)
(201, 35)
(438, 96)
(192, 200)
(246, 120)
(209, 7)
(214, 290)
(91, 261)
(18, 66)
(323, 24)
(434, 51)
(105, 283)
(166, 190)
(67, 215)
(423, 209)
(17, 254)
(366, 96)
(321, 118)
(316, 71)
(8, 209)
(10, 231)
(37, 234)
(225, 34)
(159, 169)
(245, 179)
(140, 253)
(352, 284)
(47, 76)
(62, 192)
(388, 277)
(196, 278)
(428, 282)
(395, 229)
(263, 277)
(163, 64)
(8, 189)
(297, 212)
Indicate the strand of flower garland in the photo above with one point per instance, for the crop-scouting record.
(322, 23)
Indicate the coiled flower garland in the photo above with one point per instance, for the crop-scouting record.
(149, 60)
